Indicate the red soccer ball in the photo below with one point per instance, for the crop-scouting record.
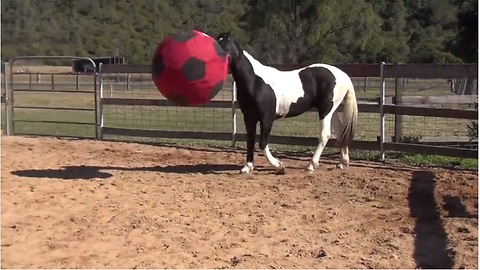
(189, 68)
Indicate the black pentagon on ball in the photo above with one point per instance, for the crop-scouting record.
(193, 69)
(220, 52)
(157, 66)
(183, 36)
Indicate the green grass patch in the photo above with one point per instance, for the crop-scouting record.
(434, 160)
(57, 130)
(54, 129)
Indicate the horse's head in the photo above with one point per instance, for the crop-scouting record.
(228, 45)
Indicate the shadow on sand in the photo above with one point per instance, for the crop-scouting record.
(455, 208)
(431, 242)
(97, 172)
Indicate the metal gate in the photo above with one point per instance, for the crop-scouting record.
(47, 100)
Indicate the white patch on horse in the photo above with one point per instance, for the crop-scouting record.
(286, 85)
(275, 162)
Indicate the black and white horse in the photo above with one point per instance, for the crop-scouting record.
(265, 94)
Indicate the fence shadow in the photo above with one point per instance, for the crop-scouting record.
(92, 172)
(431, 243)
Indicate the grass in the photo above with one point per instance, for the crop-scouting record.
(219, 120)
(54, 129)
(435, 160)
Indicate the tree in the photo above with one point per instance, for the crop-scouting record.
(308, 31)
(287, 31)
(465, 44)
(431, 27)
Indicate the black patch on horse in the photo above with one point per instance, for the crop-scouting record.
(317, 81)
(218, 49)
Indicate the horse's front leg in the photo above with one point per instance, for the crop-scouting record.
(251, 128)
(265, 130)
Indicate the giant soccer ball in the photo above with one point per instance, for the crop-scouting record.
(189, 68)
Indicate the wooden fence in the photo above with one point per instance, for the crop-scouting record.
(397, 106)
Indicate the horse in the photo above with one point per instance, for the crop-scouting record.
(265, 94)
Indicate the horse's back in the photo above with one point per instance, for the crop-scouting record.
(342, 80)
(337, 72)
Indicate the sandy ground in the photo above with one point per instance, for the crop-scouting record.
(88, 204)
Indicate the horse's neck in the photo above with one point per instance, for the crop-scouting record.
(258, 68)
(253, 62)
(242, 71)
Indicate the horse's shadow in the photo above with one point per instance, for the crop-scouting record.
(99, 172)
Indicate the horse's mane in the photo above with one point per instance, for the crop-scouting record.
(237, 44)
(239, 47)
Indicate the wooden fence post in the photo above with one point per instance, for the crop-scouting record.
(76, 81)
(53, 83)
(398, 117)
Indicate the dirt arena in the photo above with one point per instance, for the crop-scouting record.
(88, 204)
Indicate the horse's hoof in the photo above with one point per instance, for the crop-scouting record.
(244, 171)
(280, 170)
(341, 166)
(247, 169)
(310, 168)
(309, 171)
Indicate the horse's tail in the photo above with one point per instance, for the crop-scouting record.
(350, 115)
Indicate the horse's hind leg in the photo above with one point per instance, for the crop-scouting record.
(325, 134)
(337, 127)
(265, 130)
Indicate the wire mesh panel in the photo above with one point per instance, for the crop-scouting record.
(129, 114)
(141, 86)
(131, 103)
(430, 111)
(168, 118)
(431, 130)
